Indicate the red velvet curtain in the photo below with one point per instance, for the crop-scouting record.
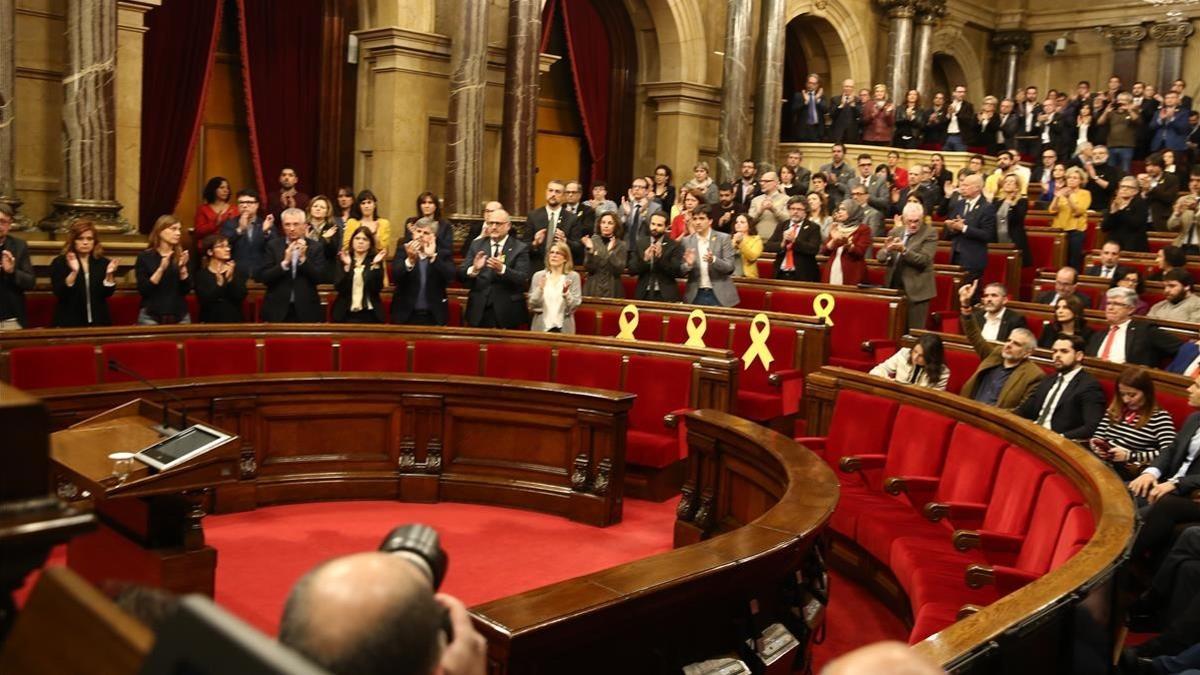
(587, 43)
(180, 44)
(281, 74)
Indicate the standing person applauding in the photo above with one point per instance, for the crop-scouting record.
(1070, 207)
(220, 283)
(358, 280)
(82, 279)
(162, 275)
(554, 293)
(292, 267)
(605, 257)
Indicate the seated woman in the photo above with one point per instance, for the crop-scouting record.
(849, 239)
(82, 279)
(923, 364)
(1133, 281)
(747, 247)
(1167, 259)
(604, 257)
(358, 280)
(1068, 320)
(554, 293)
(1134, 429)
(162, 275)
(220, 283)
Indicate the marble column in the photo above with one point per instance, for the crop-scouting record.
(735, 111)
(900, 45)
(131, 34)
(1011, 43)
(1171, 38)
(518, 136)
(8, 186)
(1126, 43)
(928, 13)
(465, 128)
(768, 94)
(89, 120)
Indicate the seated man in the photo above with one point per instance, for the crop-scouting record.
(1171, 604)
(708, 263)
(1066, 280)
(1006, 376)
(1110, 266)
(1187, 360)
(1127, 341)
(995, 320)
(292, 267)
(656, 263)
(421, 272)
(496, 270)
(375, 613)
(1180, 304)
(1071, 403)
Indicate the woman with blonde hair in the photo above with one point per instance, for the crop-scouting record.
(554, 293)
(162, 275)
(1070, 207)
(82, 279)
(879, 118)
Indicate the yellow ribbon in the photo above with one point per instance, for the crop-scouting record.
(823, 306)
(696, 330)
(760, 330)
(628, 322)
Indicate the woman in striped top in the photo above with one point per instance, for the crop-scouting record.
(1134, 430)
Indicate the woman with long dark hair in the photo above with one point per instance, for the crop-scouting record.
(1068, 320)
(429, 209)
(922, 365)
(368, 217)
(215, 208)
(359, 279)
(82, 279)
(1134, 429)
(664, 189)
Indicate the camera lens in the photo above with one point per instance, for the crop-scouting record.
(420, 545)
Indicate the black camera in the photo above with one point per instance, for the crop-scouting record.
(420, 545)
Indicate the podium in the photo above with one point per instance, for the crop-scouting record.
(150, 523)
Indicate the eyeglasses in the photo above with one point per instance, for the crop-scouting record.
(246, 203)
(640, 185)
(495, 223)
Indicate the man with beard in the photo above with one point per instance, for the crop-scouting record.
(656, 263)
(1005, 377)
(1180, 304)
(1072, 402)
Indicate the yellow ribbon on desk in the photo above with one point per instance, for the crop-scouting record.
(823, 307)
(696, 328)
(628, 322)
(760, 330)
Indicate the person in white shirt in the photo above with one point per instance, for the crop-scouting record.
(922, 365)
(1071, 403)
(995, 320)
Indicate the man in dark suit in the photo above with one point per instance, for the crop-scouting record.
(421, 271)
(287, 196)
(497, 272)
(574, 204)
(247, 233)
(795, 244)
(808, 111)
(478, 228)
(1066, 280)
(1055, 129)
(656, 263)
(971, 226)
(549, 224)
(292, 267)
(1127, 341)
(1007, 127)
(960, 116)
(845, 113)
(636, 211)
(16, 273)
(1161, 189)
(1110, 266)
(1029, 131)
(746, 187)
(1071, 403)
(995, 320)
(803, 175)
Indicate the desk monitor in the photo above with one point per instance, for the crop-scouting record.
(174, 450)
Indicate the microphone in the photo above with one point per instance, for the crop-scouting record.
(165, 428)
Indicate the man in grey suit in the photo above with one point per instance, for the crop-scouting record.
(908, 253)
(708, 263)
(870, 216)
(878, 191)
(635, 212)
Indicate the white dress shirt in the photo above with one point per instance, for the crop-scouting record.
(991, 325)
(1116, 352)
(1046, 414)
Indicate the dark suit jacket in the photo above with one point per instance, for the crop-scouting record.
(505, 293)
(438, 276)
(586, 216)
(343, 282)
(13, 286)
(1128, 226)
(1162, 199)
(802, 130)
(248, 247)
(844, 119)
(1095, 271)
(537, 220)
(664, 269)
(969, 248)
(275, 205)
(221, 303)
(1168, 463)
(804, 250)
(1010, 127)
(739, 193)
(1184, 357)
(967, 122)
(1145, 344)
(70, 310)
(281, 285)
(1060, 136)
(1016, 228)
(1079, 410)
(1008, 322)
(1045, 297)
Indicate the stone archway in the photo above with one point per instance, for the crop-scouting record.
(845, 45)
(959, 61)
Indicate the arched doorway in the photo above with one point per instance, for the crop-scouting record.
(947, 73)
(812, 46)
(586, 112)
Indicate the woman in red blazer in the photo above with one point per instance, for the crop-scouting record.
(879, 118)
(847, 245)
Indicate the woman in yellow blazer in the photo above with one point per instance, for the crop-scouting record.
(747, 247)
(367, 215)
(1070, 207)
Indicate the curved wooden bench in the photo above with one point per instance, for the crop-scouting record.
(1025, 630)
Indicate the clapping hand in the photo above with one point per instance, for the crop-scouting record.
(559, 235)
(479, 261)
(344, 258)
(412, 250)
(378, 258)
(689, 257)
(7, 262)
(108, 271)
(539, 237)
(268, 222)
(588, 244)
(495, 264)
(73, 261)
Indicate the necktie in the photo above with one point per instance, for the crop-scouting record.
(789, 262)
(423, 272)
(634, 227)
(1108, 342)
(1047, 407)
(295, 261)
(812, 108)
(550, 227)
(495, 250)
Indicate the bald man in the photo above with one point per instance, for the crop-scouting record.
(478, 231)
(770, 208)
(376, 613)
(971, 226)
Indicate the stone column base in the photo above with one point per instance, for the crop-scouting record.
(106, 215)
(20, 220)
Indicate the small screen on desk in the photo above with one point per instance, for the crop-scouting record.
(180, 445)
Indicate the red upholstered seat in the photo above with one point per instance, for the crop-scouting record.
(649, 327)
(236, 356)
(297, 355)
(586, 322)
(39, 310)
(1176, 405)
(861, 424)
(454, 311)
(662, 386)
(629, 285)
(516, 361)
(367, 355)
(596, 368)
(766, 268)
(962, 364)
(54, 366)
(856, 320)
(193, 305)
(931, 618)
(757, 398)
(753, 297)
(123, 308)
(446, 357)
(153, 360)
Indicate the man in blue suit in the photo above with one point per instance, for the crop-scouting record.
(971, 226)
(1170, 127)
